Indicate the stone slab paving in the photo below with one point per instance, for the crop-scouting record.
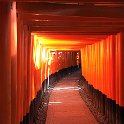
(65, 104)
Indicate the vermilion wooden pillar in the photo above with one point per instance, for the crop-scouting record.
(29, 57)
(117, 67)
(25, 88)
(13, 64)
(32, 70)
(5, 64)
(122, 70)
(19, 70)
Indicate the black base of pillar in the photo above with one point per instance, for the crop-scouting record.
(105, 110)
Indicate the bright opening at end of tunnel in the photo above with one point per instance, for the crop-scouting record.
(46, 49)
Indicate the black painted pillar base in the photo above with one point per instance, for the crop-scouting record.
(105, 110)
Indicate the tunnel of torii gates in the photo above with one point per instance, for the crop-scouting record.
(28, 58)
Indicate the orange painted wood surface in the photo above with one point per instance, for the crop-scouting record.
(103, 65)
(5, 64)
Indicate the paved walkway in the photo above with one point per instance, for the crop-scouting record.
(66, 105)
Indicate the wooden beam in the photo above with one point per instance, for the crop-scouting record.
(74, 24)
(73, 1)
(75, 29)
(74, 32)
(73, 37)
(70, 9)
(43, 18)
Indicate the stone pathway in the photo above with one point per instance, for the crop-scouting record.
(66, 105)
